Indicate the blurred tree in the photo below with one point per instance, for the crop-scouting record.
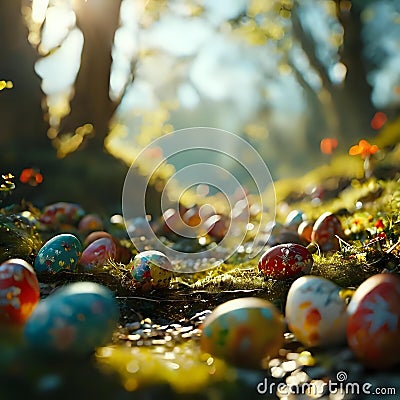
(346, 104)
(329, 44)
(90, 176)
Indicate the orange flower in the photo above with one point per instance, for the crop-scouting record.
(328, 145)
(31, 176)
(363, 148)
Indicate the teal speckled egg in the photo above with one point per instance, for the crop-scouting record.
(62, 252)
(76, 319)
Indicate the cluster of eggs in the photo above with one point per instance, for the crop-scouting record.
(193, 222)
(198, 221)
(325, 231)
(249, 331)
(65, 252)
(75, 318)
(318, 315)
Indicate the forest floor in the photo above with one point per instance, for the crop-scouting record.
(155, 351)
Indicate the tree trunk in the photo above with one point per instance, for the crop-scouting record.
(90, 177)
(349, 102)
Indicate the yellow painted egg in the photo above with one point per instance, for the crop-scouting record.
(246, 332)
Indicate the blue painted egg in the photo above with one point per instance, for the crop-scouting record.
(294, 219)
(76, 319)
(60, 253)
(151, 269)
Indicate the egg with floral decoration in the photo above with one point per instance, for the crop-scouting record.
(19, 291)
(60, 253)
(316, 311)
(373, 327)
(98, 253)
(151, 269)
(74, 319)
(325, 231)
(288, 260)
(246, 332)
(61, 214)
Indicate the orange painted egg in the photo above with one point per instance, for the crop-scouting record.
(305, 230)
(96, 235)
(325, 230)
(285, 261)
(373, 327)
(19, 291)
(315, 312)
(246, 332)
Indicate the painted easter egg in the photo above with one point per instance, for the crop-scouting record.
(294, 219)
(60, 253)
(325, 230)
(61, 214)
(76, 319)
(96, 235)
(305, 230)
(217, 226)
(373, 327)
(98, 253)
(246, 332)
(285, 261)
(90, 223)
(151, 269)
(315, 311)
(19, 291)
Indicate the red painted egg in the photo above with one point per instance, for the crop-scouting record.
(217, 226)
(98, 253)
(325, 230)
(61, 214)
(373, 325)
(19, 291)
(285, 261)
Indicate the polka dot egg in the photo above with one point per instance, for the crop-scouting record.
(151, 269)
(60, 253)
(285, 261)
(246, 332)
